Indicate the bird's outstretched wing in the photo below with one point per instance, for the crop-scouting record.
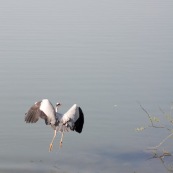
(73, 119)
(34, 113)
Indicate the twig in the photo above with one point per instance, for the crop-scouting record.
(147, 114)
(152, 124)
(161, 142)
(161, 158)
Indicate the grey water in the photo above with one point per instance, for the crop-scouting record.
(106, 56)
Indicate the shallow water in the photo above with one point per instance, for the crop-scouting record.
(105, 56)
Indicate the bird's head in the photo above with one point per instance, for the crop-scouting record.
(58, 104)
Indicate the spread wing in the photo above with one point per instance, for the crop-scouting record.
(73, 119)
(34, 113)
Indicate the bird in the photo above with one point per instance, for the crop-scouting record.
(72, 120)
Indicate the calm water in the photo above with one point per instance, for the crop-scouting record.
(104, 55)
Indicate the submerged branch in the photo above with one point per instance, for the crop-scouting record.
(147, 114)
(161, 158)
(150, 118)
(156, 149)
(163, 141)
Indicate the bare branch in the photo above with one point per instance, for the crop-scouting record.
(151, 121)
(147, 114)
(161, 158)
(157, 146)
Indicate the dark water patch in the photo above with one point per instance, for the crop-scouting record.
(31, 167)
(125, 155)
(135, 156)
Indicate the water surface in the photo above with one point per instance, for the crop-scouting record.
(105, 56)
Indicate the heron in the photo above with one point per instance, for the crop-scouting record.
(72, 120)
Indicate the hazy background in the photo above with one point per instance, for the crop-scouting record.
(105, 56)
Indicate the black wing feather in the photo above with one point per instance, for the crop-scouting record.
(78, 126)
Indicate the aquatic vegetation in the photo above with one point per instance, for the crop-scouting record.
(158, 151)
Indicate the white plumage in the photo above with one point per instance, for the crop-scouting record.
(48, 109)
(73, 119)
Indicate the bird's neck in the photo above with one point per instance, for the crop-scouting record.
(56, 109)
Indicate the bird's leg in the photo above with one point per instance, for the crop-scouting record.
(62, 135)
(51, 144)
